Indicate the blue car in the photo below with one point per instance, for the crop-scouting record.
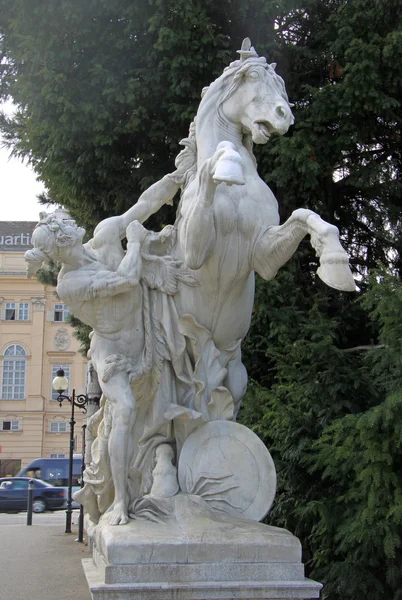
(55, 471)
(14, 495)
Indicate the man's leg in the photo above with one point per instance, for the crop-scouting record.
(119, 394)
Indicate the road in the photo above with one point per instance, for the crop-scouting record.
(46, 518)
(41, 562)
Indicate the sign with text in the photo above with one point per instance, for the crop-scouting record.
(16, 235)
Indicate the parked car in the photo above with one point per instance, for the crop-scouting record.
(55, 472)
(14, 495)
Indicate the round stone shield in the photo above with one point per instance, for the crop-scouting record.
(229, 466)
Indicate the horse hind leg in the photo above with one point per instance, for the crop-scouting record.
(236, 382)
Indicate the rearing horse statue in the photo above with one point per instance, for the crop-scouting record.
(226, 232)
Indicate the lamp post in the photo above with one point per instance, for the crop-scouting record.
(60, 385)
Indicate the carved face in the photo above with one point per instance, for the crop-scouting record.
(259, 104)
(57, 238)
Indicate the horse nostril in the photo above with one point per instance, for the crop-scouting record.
(280, 112)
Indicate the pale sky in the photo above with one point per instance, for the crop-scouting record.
(18, 186)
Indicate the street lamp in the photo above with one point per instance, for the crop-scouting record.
(60, 385)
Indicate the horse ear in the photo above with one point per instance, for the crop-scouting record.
(246, 45)
(273, 65)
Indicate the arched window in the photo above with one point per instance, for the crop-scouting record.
(14, 371)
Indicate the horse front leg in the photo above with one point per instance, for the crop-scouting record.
(334, 269)
(278, 244)
(199, 224)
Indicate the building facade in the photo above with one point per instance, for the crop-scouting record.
(35, 340)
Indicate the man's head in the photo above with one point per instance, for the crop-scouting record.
(52, 238)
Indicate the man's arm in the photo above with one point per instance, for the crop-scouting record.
(81, 285)
(148, 203)
(131, 265)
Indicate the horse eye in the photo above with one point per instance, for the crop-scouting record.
(254, 75)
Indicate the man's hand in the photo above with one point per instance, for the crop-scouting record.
(32, 269)
(168, 234)
(136, 232)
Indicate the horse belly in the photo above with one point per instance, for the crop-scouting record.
(223, 301)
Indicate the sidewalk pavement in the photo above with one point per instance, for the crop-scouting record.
(41, 562)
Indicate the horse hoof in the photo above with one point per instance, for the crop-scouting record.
(334, 270)
(229, 168)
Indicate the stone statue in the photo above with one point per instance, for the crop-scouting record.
(168, 315)
(226, 232)
(110, 301)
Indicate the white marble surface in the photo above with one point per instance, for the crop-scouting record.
(227, 464)
(164, 476)
(219, 590)
(196, 554)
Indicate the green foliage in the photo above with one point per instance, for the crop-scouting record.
(48, 273)
(384, 301)
(360, 517)
(81, 333)
(360, 457)
(328, 411)
(343, 73)
(107, 90)
(331, 417)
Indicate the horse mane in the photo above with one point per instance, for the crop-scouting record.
(187, 158)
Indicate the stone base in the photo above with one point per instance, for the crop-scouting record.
(216, 590)
(196, 554)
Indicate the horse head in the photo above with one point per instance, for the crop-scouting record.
(250, 97)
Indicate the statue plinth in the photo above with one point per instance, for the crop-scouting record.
(195, 553)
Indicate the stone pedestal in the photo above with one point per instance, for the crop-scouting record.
(195, 554)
